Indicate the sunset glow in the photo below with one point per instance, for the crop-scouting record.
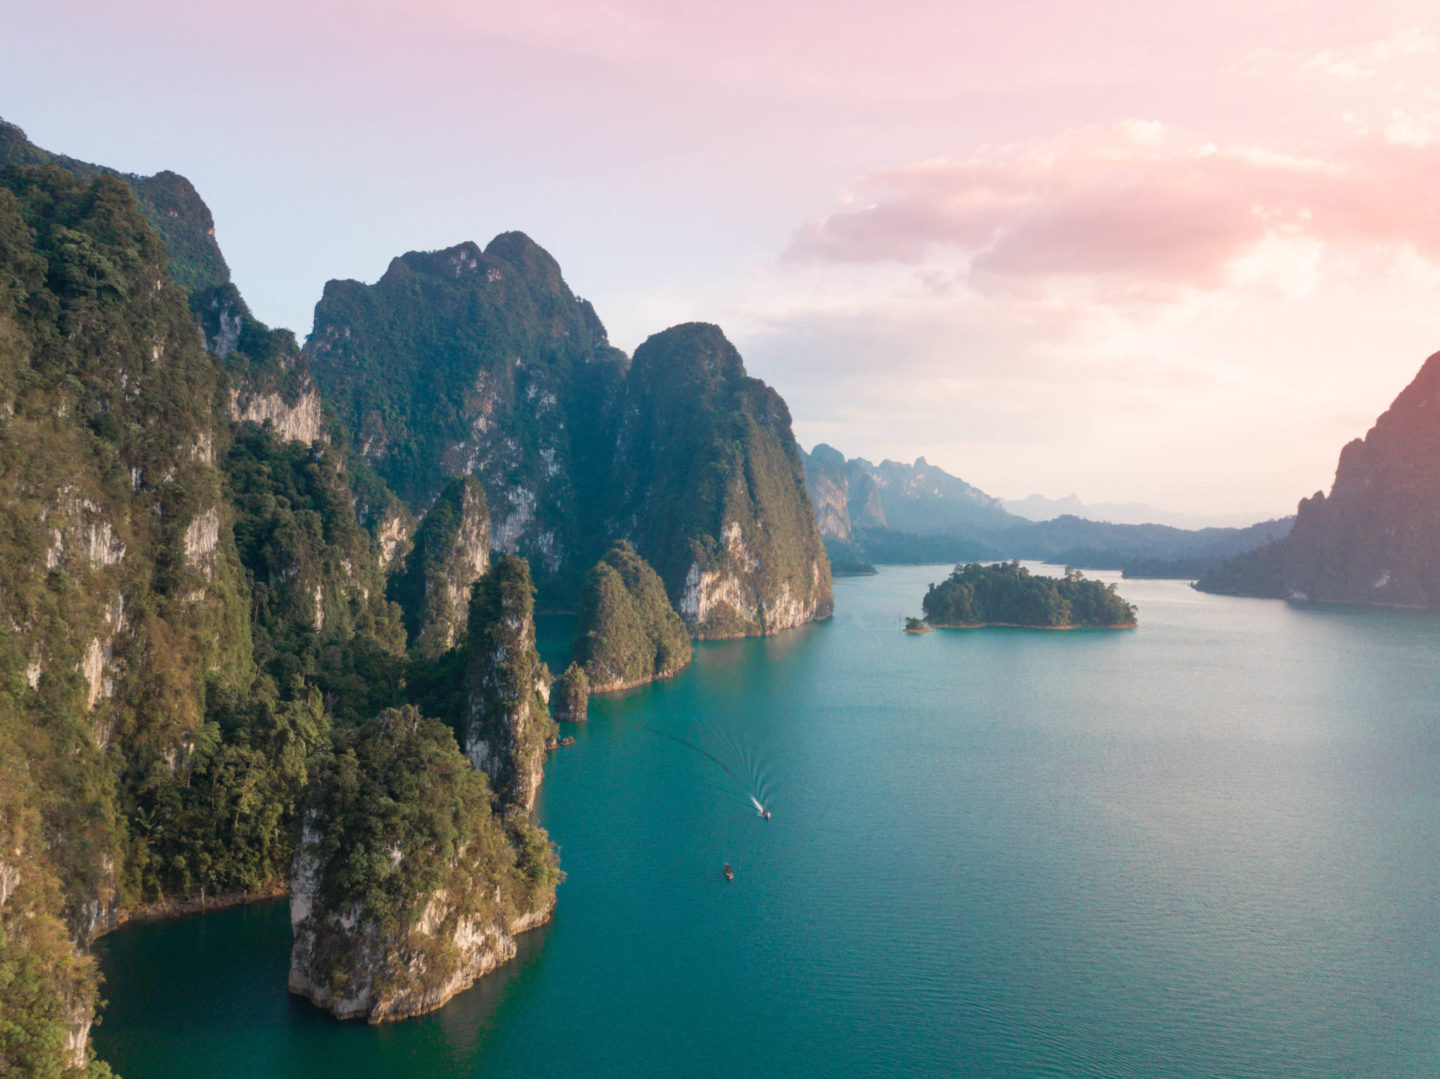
(1176, 254)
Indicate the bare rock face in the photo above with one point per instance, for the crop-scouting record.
(829, 489)
(294, 421)
(1376, 539)
(451, 552)
(507, 723)
(393, 916)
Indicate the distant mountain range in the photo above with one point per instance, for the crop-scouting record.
(1040, 508)
(899, 513)
(1376, 539)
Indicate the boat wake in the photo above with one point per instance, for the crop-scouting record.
(749, 790)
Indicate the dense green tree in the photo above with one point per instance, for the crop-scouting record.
(627, 633)
(1007, 593)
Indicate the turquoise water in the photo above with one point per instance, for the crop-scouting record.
(1207, 846)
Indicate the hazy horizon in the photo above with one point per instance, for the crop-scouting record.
(1149, 254)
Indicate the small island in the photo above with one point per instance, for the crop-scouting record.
(1007, 594)
(917, 625)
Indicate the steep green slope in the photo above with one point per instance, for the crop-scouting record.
(713, 493)
(410, 884)
(482, 363)
(169, 202)
(627, 633)
(193, 570)
(122, 588)
(452, 550)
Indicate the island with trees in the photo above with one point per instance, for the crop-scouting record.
(1008, 594)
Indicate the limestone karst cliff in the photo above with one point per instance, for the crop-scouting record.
(225, 557)
(395, 913)
(451, 551)
(713, 492)
(506, 724)
(483, 363)
(1376, 538)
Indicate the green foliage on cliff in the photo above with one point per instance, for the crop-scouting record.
(478, 362)
(504, 709)
(398, 816)
(169, 203)
(1008, 594)
(123, 594)
(396, 807)
(317, 596)
(451, 548)
(714, 481)
(627, 632)
(570, 696)
(484, 363)
(196, 608)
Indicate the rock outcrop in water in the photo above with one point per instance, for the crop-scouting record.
(394, 913)
(627, 633)
(570, 696)
(1376, 539)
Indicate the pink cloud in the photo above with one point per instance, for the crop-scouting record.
(1134, 207)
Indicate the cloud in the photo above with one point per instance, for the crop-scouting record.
(1366, 62)
(1140, 211)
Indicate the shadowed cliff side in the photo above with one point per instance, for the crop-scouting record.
(1376, 538)
(714, 492)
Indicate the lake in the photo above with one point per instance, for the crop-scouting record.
(1206, 846)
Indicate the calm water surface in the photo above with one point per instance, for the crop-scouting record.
(1205, 847)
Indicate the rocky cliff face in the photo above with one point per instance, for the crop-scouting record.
(829, 490)
(1376, 538)
(393, 916)
(480, 363)
(451, 552)
(483, 363)
(714, 492)
(119, 584)
(507, 724)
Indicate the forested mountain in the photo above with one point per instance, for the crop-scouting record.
(1376, 538)
(483, 363)
(240, 617)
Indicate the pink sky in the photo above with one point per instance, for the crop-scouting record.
(1174, 253)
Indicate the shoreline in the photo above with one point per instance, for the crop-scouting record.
(169, 910)
(621, 687)
(1022, 625)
